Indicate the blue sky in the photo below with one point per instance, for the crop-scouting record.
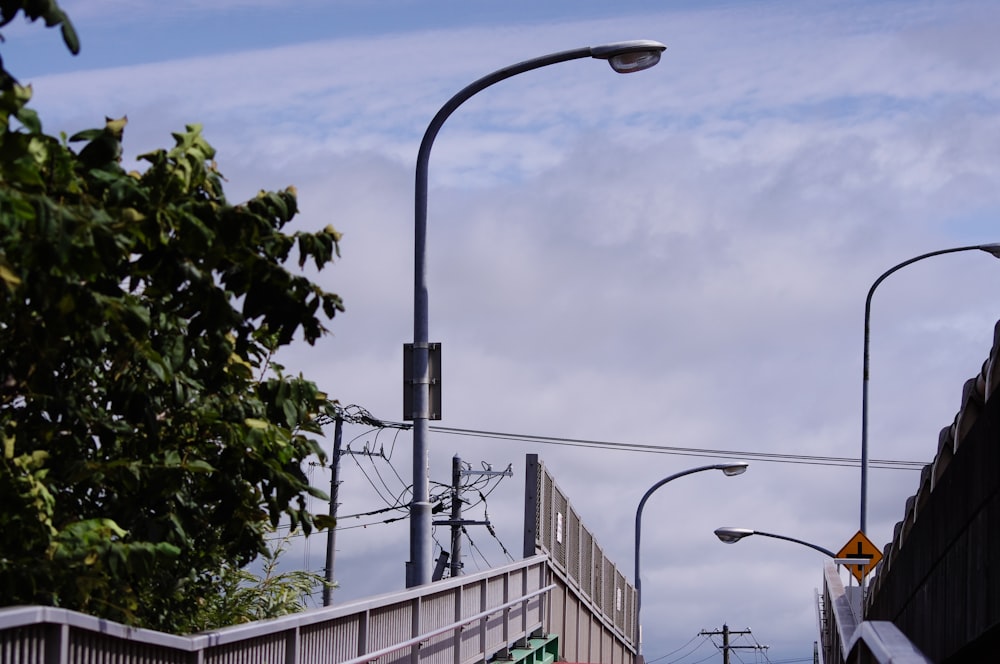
(114, 32)
(677, 257)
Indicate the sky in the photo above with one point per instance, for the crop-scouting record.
(676, 258)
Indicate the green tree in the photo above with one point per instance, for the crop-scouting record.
(148, 440)
(247, 596)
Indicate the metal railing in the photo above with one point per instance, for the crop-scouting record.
(849, 639)
(465, 619)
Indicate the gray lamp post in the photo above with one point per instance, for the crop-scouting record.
(624, 57)
(993, 249)
(728, 469)
(733, 535)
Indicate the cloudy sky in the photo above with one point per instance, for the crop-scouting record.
(676, 258)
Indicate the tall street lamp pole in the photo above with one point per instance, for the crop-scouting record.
(624, 57)
(993, 249)
(728, 469)
(733, 535)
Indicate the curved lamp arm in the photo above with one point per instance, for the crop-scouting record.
(993, 249)
(733, 535)
(624, 57)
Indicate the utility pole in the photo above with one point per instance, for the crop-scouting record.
(456, 522)
(331, 532)
(726, 647)
(456, 517)
(331, 535)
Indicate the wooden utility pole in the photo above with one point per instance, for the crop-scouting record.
(331, 532)
(725, 633)
(456, 522)
(331, 535)
(456, 516)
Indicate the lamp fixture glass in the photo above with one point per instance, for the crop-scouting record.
(628, 57)
(626, 63)
(732, 535)
(731, 469)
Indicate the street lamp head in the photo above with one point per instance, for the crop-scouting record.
(732, 535)
(991, 249)
(630, 56)
(737, 468)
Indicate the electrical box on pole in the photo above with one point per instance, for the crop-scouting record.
(433, 379)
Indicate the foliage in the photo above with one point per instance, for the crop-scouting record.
(148, 441)
(246, 596)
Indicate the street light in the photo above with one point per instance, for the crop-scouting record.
(624, 57)
(993, 249)
(728, 469)
(860, 564)
(733, 535)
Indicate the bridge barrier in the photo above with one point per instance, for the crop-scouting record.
(463, 620)
(849, 639)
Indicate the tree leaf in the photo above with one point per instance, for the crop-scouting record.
(69, 36)
(199, 466)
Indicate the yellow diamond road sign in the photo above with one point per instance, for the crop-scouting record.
(860, 546)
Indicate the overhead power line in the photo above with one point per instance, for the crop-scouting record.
(677, 650)
(806, 459)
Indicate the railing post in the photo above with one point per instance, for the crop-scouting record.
(292, 646)
(57, 644)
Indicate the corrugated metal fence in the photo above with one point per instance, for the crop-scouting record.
(595, 614)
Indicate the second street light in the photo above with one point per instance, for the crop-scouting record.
(624, 58)
(993, 249)
(733, 535)
(728, 469)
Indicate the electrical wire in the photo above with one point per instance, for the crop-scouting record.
(357, 414)
(297, 535)
(704, 659)
(389, 458)
(676, 650)
(370, 482)
(354, 414)
(760, 650)
(436, 541)
(889, 464)
(377, 473)
(499, 478)
(748, 636)
(372, 513)
(485, 480)
(700, 645)
(492, 531)
(476, 549)
(373, 523)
